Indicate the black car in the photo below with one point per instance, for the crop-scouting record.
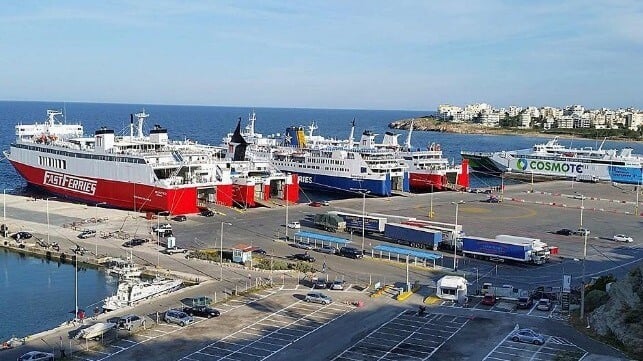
(351, 252)
(201, 311)
(304, 257)
(565, 232)
(180, 218)
(259, 251)
(134, 242)
(21, 235)
(207, 213)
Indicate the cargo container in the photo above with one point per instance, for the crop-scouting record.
(504, 247)
(354, 222)
(451, 233)
(413, 236)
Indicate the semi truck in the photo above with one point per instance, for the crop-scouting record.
(413, 236)
(451, 233)
(506, 247)
(354, 222)
(329, 222)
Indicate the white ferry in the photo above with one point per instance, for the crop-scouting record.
(554, 159)
(139, 172)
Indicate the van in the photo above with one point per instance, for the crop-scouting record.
(131, 322)
(351, 252)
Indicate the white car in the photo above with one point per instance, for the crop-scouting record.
(622, 238)
(294, 225)
(36, 356)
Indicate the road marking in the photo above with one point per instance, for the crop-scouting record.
(498, 345)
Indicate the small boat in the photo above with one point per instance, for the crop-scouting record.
(95, 330)
(132, 291)
(11, 343)
(124, 269)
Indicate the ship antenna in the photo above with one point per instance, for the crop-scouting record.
(65, 112)
(407, 144)
(351, 137)
(603, 142)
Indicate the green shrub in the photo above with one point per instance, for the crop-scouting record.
(304, 267)
(595, 299)
(264, 263)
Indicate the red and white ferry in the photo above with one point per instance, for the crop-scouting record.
(143, 173)
(428, 170)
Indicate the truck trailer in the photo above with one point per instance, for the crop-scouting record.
(505, 247)
(354, 222)
(329, 222)
(413, 236)
(451, 233)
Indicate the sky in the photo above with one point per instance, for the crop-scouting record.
(373, 54)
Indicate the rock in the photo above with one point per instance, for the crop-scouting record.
(622, 316)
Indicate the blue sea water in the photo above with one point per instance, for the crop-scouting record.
(28, 285)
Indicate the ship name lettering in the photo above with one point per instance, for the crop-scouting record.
(305, 179)
(77, 184)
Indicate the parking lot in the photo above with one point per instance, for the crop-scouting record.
(508, 306)
(553, 348)
(407, 336)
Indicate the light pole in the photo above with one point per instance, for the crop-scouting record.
(221, 248)
(96, 236)
(4, 203)
(364, 192)
(286, 198)
(582, 207)
(455, 240)
(408, 283)
(532, 181)
(47, 201)
(582, 291)
(431, 209)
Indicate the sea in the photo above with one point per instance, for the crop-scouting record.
(28, 285)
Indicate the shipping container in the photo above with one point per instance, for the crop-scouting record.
(413, 236)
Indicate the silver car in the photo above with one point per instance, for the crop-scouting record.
(179, 317)
(318, 297)
(528, 336)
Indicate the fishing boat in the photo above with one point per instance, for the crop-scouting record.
(133, 171)
(132, 291)
(556, 160)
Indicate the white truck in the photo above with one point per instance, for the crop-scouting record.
(172, 248)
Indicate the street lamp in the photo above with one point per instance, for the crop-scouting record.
(47, 201)
(286, 198)
(582, 207)
(582, 291)
(221, 248)
(364, 192)
(431, 209)
(455, 239)
(96, 218)
(4, 203)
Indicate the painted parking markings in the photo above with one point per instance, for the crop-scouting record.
(407, 336)
(554, 348)
(272, 333)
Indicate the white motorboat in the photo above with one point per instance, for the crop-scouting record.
(132, 291)
(95, 330)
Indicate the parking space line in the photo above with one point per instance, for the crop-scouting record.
(501, 342)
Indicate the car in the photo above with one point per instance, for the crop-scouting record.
(37, 356)
(351, 252)
(622, 238)
(320, 283)
(325, 203)
(579, 196)
(303, 245)
(492, 199)
(318, 297)
(87, 234)
(528, 336)
(582, 232)
(207, 213)
(294, 225)
(258, 251)
(564, 232)
(162, 227)
(180, 218)
(21, 235)
(488, 299)
(524, 302)
(201, 311)
(327, 249)
(130, 322)
(337, 285)
(315, 204)
(544, 304)
(178, 317)
(134, 242)
(304, 257)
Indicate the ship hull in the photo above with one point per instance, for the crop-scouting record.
(118, 194)
(481, 162)
(330, 183)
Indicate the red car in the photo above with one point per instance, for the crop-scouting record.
(489, 300)
(315, 204)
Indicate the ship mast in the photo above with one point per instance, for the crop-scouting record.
(351, 137)
(251, 124)
(140, 117)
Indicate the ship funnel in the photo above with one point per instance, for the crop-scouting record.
(407, 143)
(238, 144)
(351, 137)
(368, 139)
(140, 117)
(390, 140)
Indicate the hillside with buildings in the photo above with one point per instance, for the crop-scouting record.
(573, 120)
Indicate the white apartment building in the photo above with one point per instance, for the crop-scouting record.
(565, 121)
(490, 119)
(525, 120)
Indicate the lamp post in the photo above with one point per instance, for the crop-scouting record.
(47, 201)
(532, 181)
(455, 240)
(286, 198)
(96, 236)
(431, 209)
(221, 248)
(582, 207)
(408, 283)
(582, 291)
(4, 203)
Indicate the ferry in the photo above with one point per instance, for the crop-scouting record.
(140, 172)
(132, 291)
(555, 160)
